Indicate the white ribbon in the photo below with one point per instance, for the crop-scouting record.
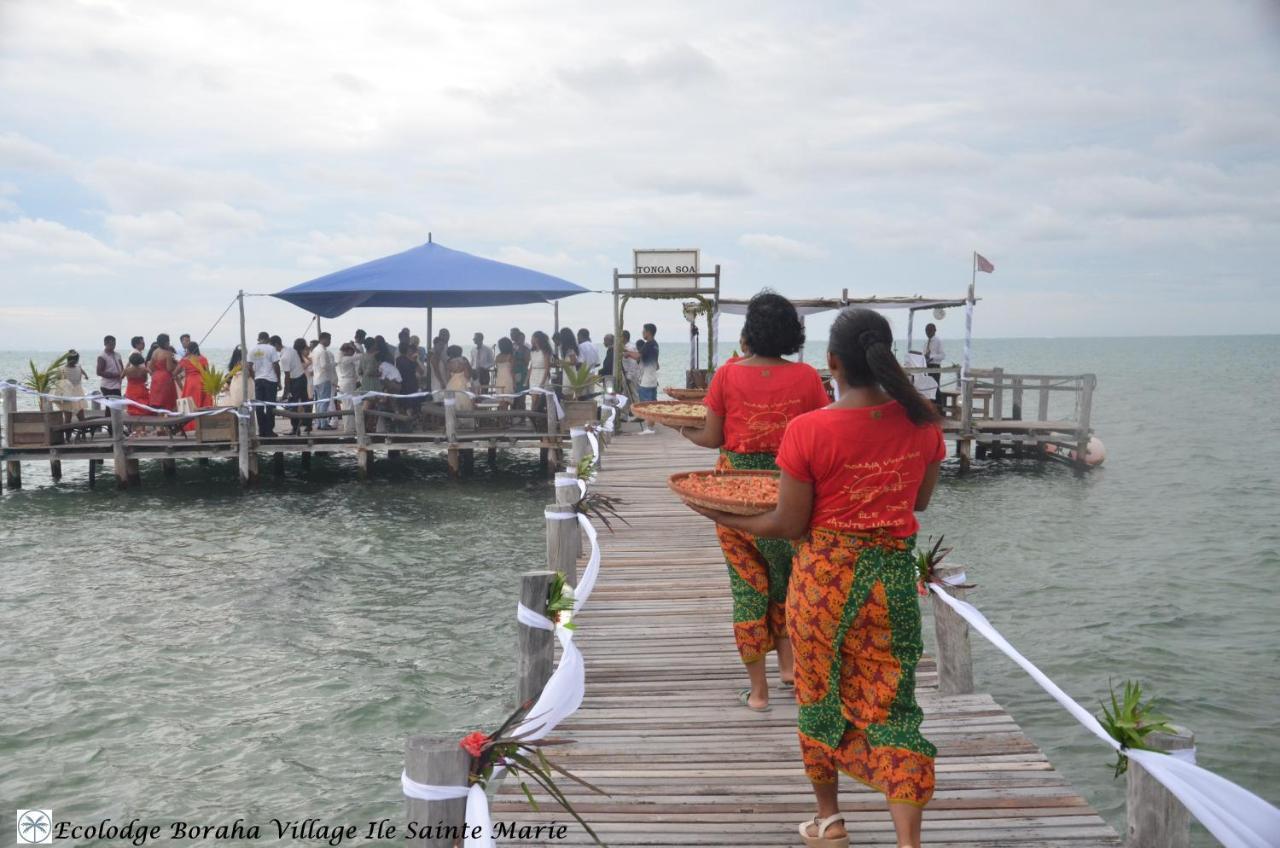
(572, 481)
(588, 580)
(538, 390)
(529, 618)
(595, 447)
(477, 806)
(957, 579)
(563, 693)
(1235, 816)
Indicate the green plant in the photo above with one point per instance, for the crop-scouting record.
(579, 379)
(44, 380)
(586, 468)
(560, 601)
(524, 758)
(215, 382)
(1130, 721)
(602, 507)
(927, 561)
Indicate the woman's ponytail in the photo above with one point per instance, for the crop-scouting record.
(861, 339)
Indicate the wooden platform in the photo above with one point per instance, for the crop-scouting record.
(660, 729)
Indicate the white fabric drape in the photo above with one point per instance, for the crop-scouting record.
(1235, 816)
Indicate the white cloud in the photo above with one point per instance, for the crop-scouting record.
(780, 247)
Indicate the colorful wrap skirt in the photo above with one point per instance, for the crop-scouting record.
(854, 619)
(759, 570)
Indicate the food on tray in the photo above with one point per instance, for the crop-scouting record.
(673, 413)
(685, 394)
(739, 492)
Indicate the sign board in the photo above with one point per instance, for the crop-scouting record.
(663, 269)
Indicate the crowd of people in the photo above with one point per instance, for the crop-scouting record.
(828, 578)
(314, 375)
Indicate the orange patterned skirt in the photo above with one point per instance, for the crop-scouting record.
(759, 570)
(854, 618)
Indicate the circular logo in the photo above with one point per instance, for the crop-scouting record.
(34, 827)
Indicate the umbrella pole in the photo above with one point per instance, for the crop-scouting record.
(556, 320)
(430, 338)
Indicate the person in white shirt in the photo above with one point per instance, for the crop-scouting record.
(933, 355)
(264, 360)
(588, 355)
(482, 359)
(348, 370)
(324, 373)
(293, 367)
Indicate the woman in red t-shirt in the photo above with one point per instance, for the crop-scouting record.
(749, 403)
(853, 475)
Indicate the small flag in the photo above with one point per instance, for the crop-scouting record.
(983, 264)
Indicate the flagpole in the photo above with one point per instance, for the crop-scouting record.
(968, 322)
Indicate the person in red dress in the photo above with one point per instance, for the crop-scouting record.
(193, 366)
(854, 473)
(136, 384)
(162, 366)
(751, 400)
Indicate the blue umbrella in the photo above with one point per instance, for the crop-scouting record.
(424, 277)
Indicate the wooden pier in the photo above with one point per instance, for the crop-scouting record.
(362, 432)
(661, 731)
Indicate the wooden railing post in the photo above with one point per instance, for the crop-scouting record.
(451, 435)
(568, 493)
(1087, 384)
(12, 468)
(362, 438)
(555, 452)
(436, 761)
(1156, 818)
(1016, 412)
(535, 648)
(997, 393)
(119, 460)
(1042, 413)
(579, 446)
(563, 541)
(955, 658)
(966, 421)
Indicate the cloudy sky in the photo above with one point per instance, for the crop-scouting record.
(1118, 162)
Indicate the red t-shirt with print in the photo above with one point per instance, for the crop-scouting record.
(865, 464)
(757, 403)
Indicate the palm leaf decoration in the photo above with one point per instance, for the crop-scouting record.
(1129, 721)
(215, 381)
(44, 380)
(579, 379)
(602, 507)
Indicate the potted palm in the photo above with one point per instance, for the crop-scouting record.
(216, 428)
(580, 407)
(32, 428)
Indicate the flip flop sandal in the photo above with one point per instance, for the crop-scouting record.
(822, 840)
(787, 684)
(744, 695)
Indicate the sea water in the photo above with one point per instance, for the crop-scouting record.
(190, 651)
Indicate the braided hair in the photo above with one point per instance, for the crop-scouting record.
(861, 339)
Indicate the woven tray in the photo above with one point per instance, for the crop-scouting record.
(673, 413)
(686, 395)
(737, 506)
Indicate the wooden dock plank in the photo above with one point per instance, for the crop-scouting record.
(660, 729)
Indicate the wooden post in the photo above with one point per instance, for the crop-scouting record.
(436, 761)
(554, 452)
(955, 659)
(1156, 818)
(119, 462)
(244, 433)
(965, 442)
(277, 463)
(306, 461)
(362, 439)
(93, 472)
(1017, 399)
(451, 435)
(1087, 384)
(568, 493)
(579, 446)
(12, 468)
(55, 469)
(134, 472)
(1042, 413)
(562, 541)
(535, 649)
(169, 467)
(997, 393)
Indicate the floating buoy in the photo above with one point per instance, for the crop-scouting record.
(1094, 453)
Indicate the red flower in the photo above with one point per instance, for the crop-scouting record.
(473, 743)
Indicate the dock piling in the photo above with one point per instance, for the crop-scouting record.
(535, 649)
(955, 656)
(170, 467)
(1156, 818)
(119, 462)
(244, 432)
(436, 761)
(362, 439)
(12, 468)
(1087, 384)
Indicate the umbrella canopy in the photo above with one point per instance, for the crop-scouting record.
(426, 276)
